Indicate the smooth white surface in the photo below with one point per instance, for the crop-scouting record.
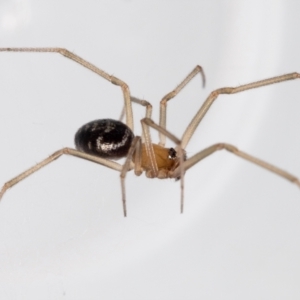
(62, 234)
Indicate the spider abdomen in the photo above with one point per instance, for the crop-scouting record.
(106, 138)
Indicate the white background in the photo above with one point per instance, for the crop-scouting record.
(62, 233)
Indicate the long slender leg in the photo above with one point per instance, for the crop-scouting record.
(86, 64)
(228, 90)
(212, 149)
(146, 123)
(138, 170)
(169, 96)
(126, 168)
(107, 163)
(149, 148)
(143, 103)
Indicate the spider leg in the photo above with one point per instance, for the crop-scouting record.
(149, 148)
(146, 123)
(228, 90)
(212, 149)
(169, 96)
(138, 170)
(135, 147)
(86, 64)
(107, 163)
(141, 102)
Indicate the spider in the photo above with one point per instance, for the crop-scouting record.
(103, 141)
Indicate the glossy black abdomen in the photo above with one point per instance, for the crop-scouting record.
(106, 138)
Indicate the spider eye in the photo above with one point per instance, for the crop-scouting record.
(172, 153)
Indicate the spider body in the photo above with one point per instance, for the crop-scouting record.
(101, 141)
(108, 138)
